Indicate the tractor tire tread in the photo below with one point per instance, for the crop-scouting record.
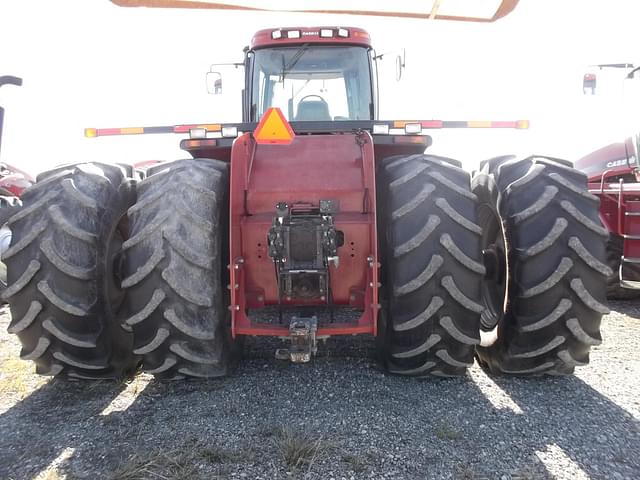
(174, 267)
(430, 322)
(556, 294)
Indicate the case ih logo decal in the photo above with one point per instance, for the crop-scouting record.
(617, 163)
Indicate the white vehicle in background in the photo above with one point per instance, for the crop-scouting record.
(608, 77)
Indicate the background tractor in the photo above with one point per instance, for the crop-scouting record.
(12, 183)
(614, 177)
(311, 218)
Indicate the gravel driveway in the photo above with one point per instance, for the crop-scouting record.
(338, 417)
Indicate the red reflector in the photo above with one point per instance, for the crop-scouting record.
(431, 124)
(412, 139)
(504, 125)
(210, 142)
(108, 131)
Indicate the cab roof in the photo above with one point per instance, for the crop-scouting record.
(285, 36)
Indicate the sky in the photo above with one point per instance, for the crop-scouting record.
(88, 63)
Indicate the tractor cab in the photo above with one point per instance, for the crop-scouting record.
(311, 74)
(316, 74)
(312, 83)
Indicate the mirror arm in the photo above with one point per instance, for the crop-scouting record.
(225, 65)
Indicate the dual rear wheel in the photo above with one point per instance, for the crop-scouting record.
(517, 252)
(82, 238)
(516, 256)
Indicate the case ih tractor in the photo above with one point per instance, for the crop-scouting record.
(613, 177)
(310, 219)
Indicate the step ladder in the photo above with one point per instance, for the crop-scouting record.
(630, 230)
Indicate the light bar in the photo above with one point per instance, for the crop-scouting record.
(429, 124)
(293, 34)
(380, 127)
(326, 33)
(103, 132)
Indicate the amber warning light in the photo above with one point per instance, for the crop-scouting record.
(273, 129)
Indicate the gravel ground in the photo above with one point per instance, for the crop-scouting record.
(338, 417)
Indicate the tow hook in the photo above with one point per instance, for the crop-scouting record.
(302, 335)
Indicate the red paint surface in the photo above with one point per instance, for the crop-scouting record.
(619, 198)
(15, 180)
(312, 168)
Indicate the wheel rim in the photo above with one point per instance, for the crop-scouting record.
(494, 287)
(5, 242)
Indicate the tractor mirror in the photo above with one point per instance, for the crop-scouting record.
(400, 64)
(214, 83)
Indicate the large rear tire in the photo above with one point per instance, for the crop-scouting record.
(175, 266)
(62, 272)
(556, 272)
(431, 266)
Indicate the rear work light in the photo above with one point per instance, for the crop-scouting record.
(198, 133)
(276, 34)
(381, 129)
(413, 128)
(343, 32)
(293, 34)
(229, 131)
(326, 33)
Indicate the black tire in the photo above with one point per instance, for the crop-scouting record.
(62, 272)
(431, 266)
(176, 271)
(556, 266)
(615, 245)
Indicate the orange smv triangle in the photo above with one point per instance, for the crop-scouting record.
(273, 129)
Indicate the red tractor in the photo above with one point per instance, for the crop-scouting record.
(614, 177)
(310, 219)
(12, 183)
(12, 180)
